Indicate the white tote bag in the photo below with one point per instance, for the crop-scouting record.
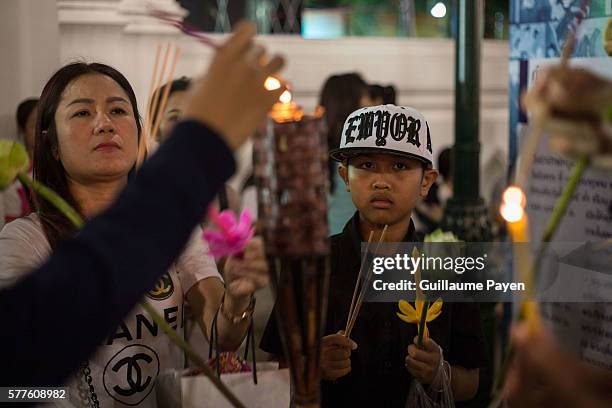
(271, 391)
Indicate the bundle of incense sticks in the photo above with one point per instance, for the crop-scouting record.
(157, 101)
(357, 301)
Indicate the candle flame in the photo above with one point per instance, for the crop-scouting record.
(511, 212)
(285, 97)
(514, 196)
(272, 83)
(513, 203)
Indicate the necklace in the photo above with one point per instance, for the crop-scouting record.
(92, 399)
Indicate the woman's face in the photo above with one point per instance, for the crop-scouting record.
(172, 113)
(96, 130)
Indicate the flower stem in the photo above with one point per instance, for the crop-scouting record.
(559, 211)
(192, 354)
(422, 323)
(53, 198)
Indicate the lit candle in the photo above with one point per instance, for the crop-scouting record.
(285, 110)
(272, 83)
(513, 212)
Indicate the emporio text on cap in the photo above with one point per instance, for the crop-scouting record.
(385, 129)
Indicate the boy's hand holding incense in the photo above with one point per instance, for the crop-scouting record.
(231, 98)
(336, 356)
(423, 363)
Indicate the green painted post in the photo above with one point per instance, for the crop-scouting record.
(466, 213)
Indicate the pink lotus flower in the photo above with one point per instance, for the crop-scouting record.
(231, 235)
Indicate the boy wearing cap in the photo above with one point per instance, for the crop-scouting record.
(386, 156)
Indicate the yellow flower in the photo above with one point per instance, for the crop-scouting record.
(13, 160)
(411, 314)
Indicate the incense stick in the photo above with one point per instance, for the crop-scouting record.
(153, 98)
(364, 288)
(145, 129)
(164, 100)
(152, 86)
(363, 260)
(156, 102)
(176, 21)
(158, 82)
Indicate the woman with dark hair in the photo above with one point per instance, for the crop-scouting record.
(86, 147)
(341, 95)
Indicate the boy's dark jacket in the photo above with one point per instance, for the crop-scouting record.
(378, 376)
